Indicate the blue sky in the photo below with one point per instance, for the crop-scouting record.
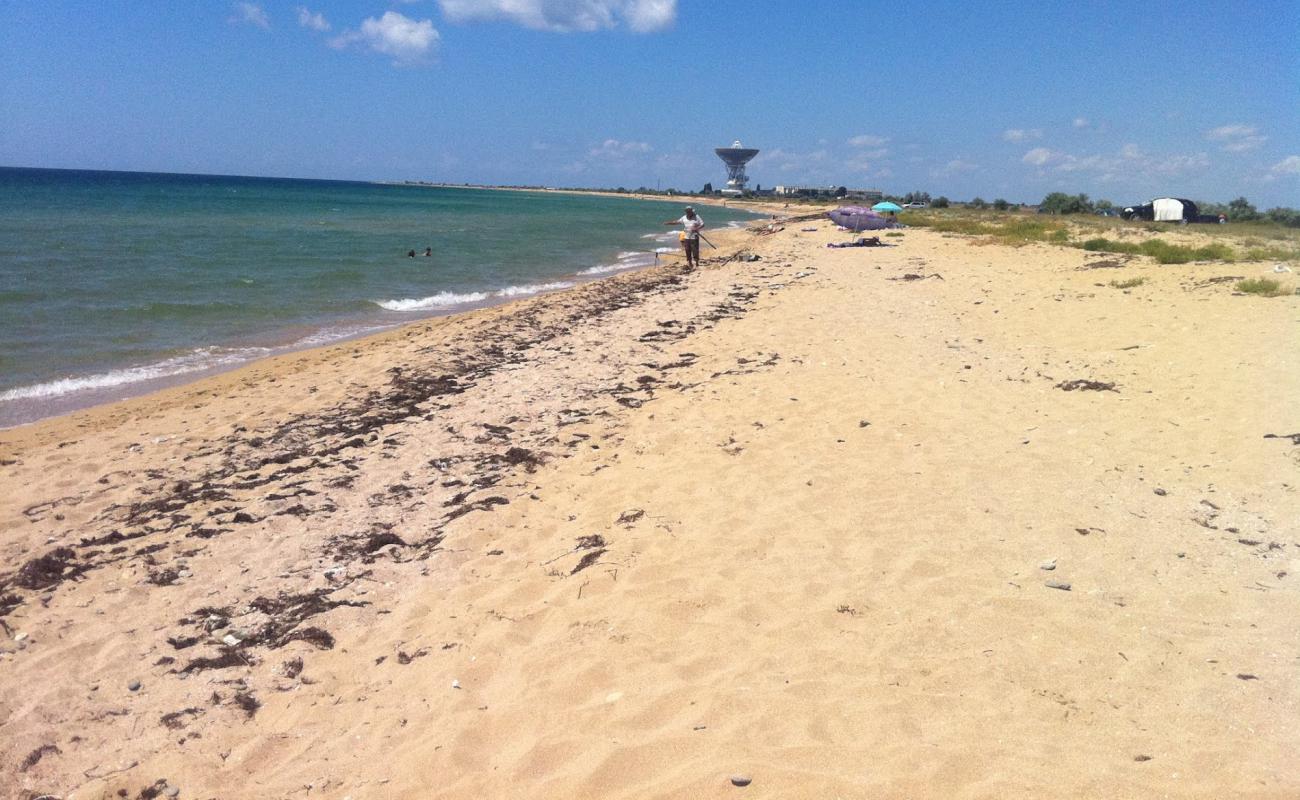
(1123, 101)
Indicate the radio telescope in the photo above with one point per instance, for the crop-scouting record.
(736, 157)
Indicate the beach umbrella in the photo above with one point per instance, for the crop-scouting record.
(857, 218)
(886, 206)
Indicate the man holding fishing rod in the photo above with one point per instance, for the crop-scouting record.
(691, 224)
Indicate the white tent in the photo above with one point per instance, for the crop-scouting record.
(1167, 209)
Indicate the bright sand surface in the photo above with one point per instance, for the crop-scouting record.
(788, 518)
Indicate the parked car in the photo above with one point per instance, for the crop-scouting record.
(914, 205)
(1165, 209)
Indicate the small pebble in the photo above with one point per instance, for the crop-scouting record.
(1048, 565)
(134, 686)
(172, 791)
(20, 636)
(741, 780)
(455, 684)
(1161, 492)
(1062, 585)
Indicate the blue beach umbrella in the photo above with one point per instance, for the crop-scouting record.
(887, 206)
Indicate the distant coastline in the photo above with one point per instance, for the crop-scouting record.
(757, 206)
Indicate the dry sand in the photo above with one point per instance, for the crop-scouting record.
(787, 518)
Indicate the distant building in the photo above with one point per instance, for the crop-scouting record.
(869, 195)
(874, 195)
(805, 191)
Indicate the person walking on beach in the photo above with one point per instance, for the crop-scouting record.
(691, 224)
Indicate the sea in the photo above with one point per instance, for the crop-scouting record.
(116, 283)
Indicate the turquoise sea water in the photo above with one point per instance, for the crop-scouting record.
(112, 281)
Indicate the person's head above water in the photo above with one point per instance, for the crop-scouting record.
(690, 211)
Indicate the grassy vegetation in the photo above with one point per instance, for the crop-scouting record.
(894, 233)
(1128, 284)
(1163, 252)
(1240, 242)
(1010, 229)
(1264, 287)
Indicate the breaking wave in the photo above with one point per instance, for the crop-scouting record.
(198, 360)
(454, 299)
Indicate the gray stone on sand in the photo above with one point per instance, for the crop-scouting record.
(1048, 565)
(134, 686)
(741, 780)
(1055, 584)
(172, 791)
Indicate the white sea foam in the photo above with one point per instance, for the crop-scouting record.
(195, 361)
(439, 300)
(602, 269)
(329, 335)
(630, 259)
(444, 300)
(532, 288)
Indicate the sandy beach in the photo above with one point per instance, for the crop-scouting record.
(937, 519)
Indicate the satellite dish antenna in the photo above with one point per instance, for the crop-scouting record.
(736, 157)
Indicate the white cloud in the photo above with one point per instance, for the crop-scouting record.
(564, 16)
(859, 164)
(1021, 134)
(1287, 166)
(316, 22)
(613, 148)
(251, 14)
(1081, 122)
(789, 161)
(867, 140)
(1038, 156)
(1236, 138)
(1129, 161)
(954, 167)
(393, 34)
(650, 15)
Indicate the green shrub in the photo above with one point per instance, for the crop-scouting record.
(1265, 253)
(1162, 251)
(1264, 287)
(1102, 245)
(1167, 253)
